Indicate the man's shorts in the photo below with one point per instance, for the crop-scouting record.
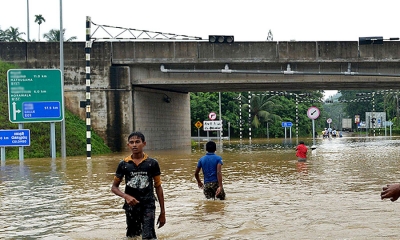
(210, 189)
(140, 220)
(301, 159)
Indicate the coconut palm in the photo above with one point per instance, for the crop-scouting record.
(392, 104)
(54, 36)
(261, 108)
(2, 36)
(39, 19)
(13, 35)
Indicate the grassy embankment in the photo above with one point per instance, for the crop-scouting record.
(75, 130)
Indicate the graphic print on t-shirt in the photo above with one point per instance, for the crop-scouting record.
(139, 180)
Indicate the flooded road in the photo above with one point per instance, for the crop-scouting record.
(334, 195)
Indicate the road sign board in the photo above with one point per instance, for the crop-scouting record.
(313, 113)
(212, 125)
(35, 95)
(15, 138)
(387, 123)
(356, 118)
(287, 124)
(329, 120)
(212, 116)
(198, 124)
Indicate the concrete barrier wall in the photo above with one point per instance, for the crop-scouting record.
(201, 52)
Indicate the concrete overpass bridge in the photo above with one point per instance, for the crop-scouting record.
(144, 85)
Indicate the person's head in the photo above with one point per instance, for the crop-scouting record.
(301, 142)
(211, 146)
(137, 134)
(136, 142)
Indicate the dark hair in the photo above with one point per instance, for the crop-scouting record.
(211, 146)
(137, 134)
(301, 142)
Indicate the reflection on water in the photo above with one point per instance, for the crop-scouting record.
(334, 195)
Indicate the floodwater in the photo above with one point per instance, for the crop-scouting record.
(334, 195)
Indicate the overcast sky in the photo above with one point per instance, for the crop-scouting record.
(250, 20)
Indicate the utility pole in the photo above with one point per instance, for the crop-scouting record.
(27, 18)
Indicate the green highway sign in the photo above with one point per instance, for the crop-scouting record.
(35, 95)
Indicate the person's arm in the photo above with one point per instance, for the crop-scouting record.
(197, 176)
(219, 177)
(128, 198)
(391, 191)
(160, 195)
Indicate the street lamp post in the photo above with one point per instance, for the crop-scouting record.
(27, 18)
(63, 135)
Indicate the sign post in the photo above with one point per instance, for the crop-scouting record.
(329, 121)
(212, 125)
(36, 95)
(13, 138)
(313, 113)
(198, 124)
(288, 125)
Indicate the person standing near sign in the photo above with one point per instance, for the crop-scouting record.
(142, 175)
(301, 152)
(211, 164)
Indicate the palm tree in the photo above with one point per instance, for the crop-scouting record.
(54, 36)
(2, 36)
(39, 19)
(13, 35)
(261, 107)
(392, 102)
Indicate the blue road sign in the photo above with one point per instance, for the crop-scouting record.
(41, 110)
(287, 124)
(15, 138)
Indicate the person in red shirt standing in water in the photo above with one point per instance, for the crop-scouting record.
(301, 152)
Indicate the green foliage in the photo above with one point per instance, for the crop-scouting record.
(359, 102)
(75, 130)
(267, 112)
(54, 35)
(39, 19)
(11, 35)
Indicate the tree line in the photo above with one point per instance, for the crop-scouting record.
(265, 111)
(262, 111)
(13, 34)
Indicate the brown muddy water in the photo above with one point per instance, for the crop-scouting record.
(334, 195)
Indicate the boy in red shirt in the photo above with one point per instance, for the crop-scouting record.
(301, 152)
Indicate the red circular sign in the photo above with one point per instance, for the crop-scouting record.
(212, 116)
(313, 112)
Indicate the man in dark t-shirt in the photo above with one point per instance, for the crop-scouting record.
(142, 175)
